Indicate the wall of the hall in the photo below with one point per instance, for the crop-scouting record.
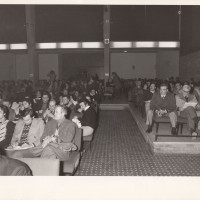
(161, 64)
(7, 66)
(134, 65)
(15, 66)
(167, 64)
(48, 62)
(77, 62)
(190, 66)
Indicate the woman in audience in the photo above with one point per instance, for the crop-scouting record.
(6, 127)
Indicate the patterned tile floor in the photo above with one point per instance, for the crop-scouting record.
(118, 149)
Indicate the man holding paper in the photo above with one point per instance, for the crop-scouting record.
(186, 104)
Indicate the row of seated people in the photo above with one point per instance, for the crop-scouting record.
(142, 95)
(15, 90)
(46, 134)
(141, 90)
(165, 103)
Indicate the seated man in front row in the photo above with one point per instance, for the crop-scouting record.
(57, 137)
(162, 104)
(27, 134)
(188, 111)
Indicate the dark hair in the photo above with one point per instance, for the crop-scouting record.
(74, 97)
(28, 100)
(164, 84)
(84, 100)
(27, 111)
(66, 96)
(46, 93)
(5, 110)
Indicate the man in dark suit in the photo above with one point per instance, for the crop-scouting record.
(88, 121)
(12, 167)
(162, 104)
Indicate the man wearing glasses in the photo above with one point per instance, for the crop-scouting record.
(26, 136)
(162, 104)
(187, 104)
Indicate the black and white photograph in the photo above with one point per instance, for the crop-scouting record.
(100, 95)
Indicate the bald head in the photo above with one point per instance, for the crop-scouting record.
(60, 112)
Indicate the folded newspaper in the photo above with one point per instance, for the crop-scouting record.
(193, 104)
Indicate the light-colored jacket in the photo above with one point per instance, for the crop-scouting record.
(35, 132)
(180, 99)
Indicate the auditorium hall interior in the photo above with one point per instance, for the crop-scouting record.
(99, 90)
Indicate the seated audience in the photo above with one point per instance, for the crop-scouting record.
(162, 104)
(49, 113)
(147, 96)
(88, 121)
(38, 97)
(42, 105)
(189, 112)
(197, 92)
(6, 127)
(66, 103)
(95, 99)
(28, 132)
(58, 136)
(73, 106)
(177, 88)
(12, 114)
(26, 104)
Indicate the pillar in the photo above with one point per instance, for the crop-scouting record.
(106, 32)
(32, 54)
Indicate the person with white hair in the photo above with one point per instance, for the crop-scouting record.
(186, 104)
(57, 137)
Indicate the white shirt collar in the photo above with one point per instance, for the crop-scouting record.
(86, 107)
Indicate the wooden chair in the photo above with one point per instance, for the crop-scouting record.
(180, 122)
(157, 120)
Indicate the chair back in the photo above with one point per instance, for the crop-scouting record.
(40, 166)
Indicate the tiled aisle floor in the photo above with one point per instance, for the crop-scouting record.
(119, 149)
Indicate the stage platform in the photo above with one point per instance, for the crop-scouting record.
(163, 145)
